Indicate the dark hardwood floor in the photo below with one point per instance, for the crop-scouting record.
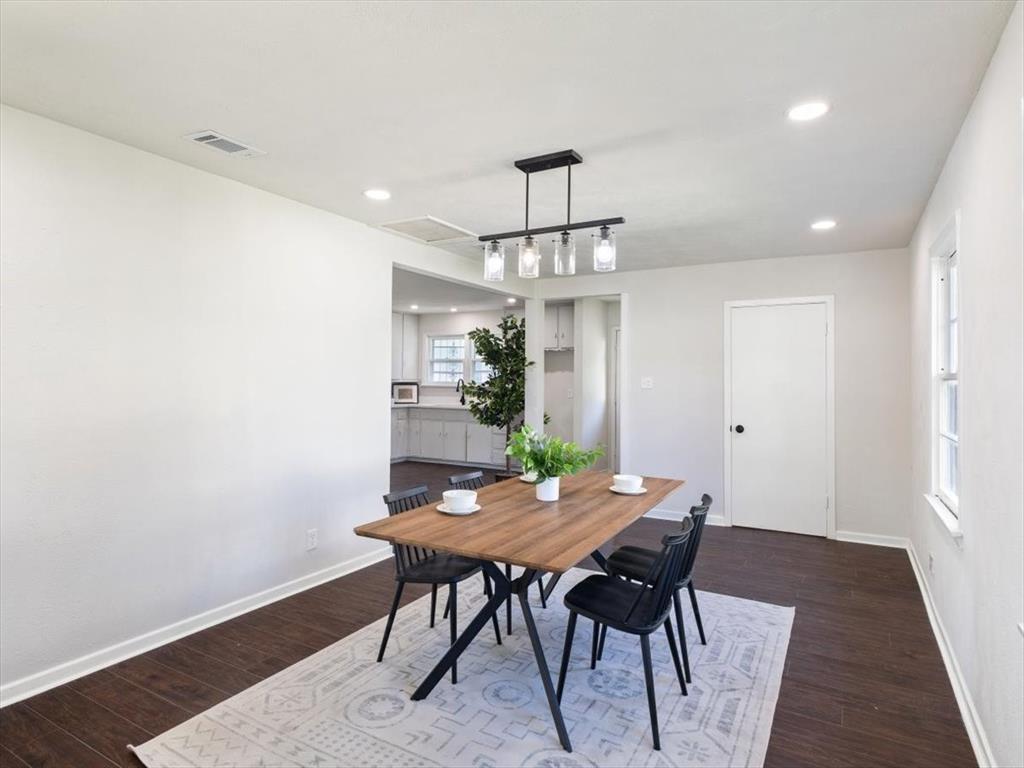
(864, 684)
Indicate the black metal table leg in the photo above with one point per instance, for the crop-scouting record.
(501, 593)
(508, 605)
(552, 583)
(503, 589)
(522, 587)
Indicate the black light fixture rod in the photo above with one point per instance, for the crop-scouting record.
(568, 196)
(595, 224)
(527, 202)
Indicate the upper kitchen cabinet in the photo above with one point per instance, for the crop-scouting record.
(405, 346)
(558, 320)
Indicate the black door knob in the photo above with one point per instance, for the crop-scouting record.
(739, 429)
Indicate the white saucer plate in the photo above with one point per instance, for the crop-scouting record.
(468, 511)
(624, 492)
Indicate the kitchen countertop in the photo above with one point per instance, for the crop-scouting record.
(433, 406)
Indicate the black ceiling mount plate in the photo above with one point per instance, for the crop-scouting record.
(551, 160)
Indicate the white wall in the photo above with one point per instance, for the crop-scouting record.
(672, 326)
(977, 586)
(190, 380)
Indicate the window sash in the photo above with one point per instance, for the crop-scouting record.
(946, 400)
(446, 363)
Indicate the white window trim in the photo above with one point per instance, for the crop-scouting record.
(945, 248)
(428, 373)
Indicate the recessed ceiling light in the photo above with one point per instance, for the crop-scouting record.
(378, 194)
(455, 309)
(811, 110)
(414, 306)
(823, 224)
(511, 300)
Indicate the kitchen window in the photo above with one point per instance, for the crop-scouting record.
(946, 399)
(447, 359)
(481, 371)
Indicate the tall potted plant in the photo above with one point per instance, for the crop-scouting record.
(501, 400)
(547, 458)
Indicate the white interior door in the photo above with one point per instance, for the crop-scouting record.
(778, 417)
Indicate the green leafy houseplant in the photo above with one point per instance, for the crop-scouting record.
(501, 400)
(549, 458)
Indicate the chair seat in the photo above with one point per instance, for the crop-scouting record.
(441, 568)
(634, 563)
(607, 600)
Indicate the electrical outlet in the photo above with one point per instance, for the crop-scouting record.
(931, 563)
(646, 383)
(312, 539)
(569, 393)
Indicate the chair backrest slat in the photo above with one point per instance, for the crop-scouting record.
(468, 481)
(402, 501)
(664, 572)
(698, 514)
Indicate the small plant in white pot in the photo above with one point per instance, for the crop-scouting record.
(547, 458)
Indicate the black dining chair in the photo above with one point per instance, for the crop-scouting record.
(633, 563)
(415, 565)
(637, 609)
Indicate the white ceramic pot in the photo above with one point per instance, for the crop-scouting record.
(547, 490)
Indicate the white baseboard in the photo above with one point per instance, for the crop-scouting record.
(84, 665)
(659, 513)
(899, 542)
(968, 712)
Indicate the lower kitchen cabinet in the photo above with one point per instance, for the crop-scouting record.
(431, 439)
(478, 444)
(442, 434)
(455, 441)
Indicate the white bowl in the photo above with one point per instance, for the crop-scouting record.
(459, 499)
(630, 483)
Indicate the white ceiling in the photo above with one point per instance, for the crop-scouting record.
(679, 109)
(431, 295)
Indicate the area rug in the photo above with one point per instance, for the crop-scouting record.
(339, 707)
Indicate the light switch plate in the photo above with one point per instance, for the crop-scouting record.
(646, 382)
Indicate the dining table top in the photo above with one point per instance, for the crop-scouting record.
(512, 526)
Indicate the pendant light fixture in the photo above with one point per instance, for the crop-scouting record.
(494, 261)
(529, 257)
(565, 244)
(604, 250)
(565, 254)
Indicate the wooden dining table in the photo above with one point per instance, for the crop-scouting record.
(512, 527)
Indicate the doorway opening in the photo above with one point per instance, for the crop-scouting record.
(434, 434)
(581, 373)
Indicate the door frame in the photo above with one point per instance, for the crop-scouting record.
(830, 400)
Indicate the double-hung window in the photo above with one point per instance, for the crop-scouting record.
(447, 363)
(481, 371)
(947, 382)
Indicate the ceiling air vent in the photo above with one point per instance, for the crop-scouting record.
(427, 229)
(221, 143)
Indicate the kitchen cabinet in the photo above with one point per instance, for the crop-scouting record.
(405, 351)
(431, 439)
(412, 437)
(399, 443)
(445, 434)
(455, 440)
(558, 332)
(411, 347)
(478, 444)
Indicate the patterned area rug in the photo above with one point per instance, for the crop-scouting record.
(340, 708)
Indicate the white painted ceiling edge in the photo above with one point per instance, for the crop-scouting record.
(681, 121)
